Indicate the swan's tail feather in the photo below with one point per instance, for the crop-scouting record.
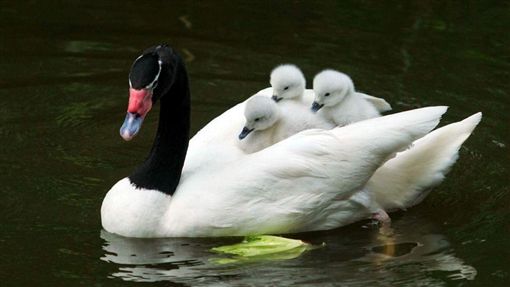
(405, 180)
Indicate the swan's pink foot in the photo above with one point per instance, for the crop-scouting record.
(384, 222)
(383, 218)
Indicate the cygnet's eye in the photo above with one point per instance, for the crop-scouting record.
(286, 88)
(257, 119)
(326, 94)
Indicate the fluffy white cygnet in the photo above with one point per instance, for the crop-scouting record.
(268, 123)
(337, 100)
(288, 82)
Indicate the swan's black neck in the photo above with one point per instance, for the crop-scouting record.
(162, 168)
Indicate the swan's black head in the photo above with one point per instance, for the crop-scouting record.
(151, 76)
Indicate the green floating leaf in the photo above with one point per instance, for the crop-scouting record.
(262, 247)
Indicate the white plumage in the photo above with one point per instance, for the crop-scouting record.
(268, 123)
(271, 122)
(339, 102)
(288, 82)
(406, 179)
(314, 180)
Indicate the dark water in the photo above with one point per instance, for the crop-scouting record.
(63, 94)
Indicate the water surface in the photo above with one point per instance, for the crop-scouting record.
(63, 95)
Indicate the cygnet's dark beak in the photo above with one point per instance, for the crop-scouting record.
(246, 131)
(276, 98)
(316, 106)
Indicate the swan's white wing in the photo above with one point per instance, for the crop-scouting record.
(217, 142)
(224, 127)
(380, 104)
(405, 180)
(299, 184)
(268, 92)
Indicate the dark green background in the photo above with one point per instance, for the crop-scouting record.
(63, 95)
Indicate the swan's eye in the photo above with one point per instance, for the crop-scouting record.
(326, 94)
(286, 88)
(257, 119)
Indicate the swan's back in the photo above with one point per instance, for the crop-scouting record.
(298, 117)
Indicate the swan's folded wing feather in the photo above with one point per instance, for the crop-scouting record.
(344, 158)
(284, 188)
(295, 184)
(405, 180)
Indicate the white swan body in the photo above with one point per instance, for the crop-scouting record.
(336, 99)
(314, 180)
(399, 183)
(268, 122)
(302, 183)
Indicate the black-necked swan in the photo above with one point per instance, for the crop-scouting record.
(337, 100)
(268, 122)
(302, 183)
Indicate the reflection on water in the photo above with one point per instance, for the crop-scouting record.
(139, 259)
(403, 257)
(150, 260)
(430, 252)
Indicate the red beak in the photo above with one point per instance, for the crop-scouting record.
(140, 101)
